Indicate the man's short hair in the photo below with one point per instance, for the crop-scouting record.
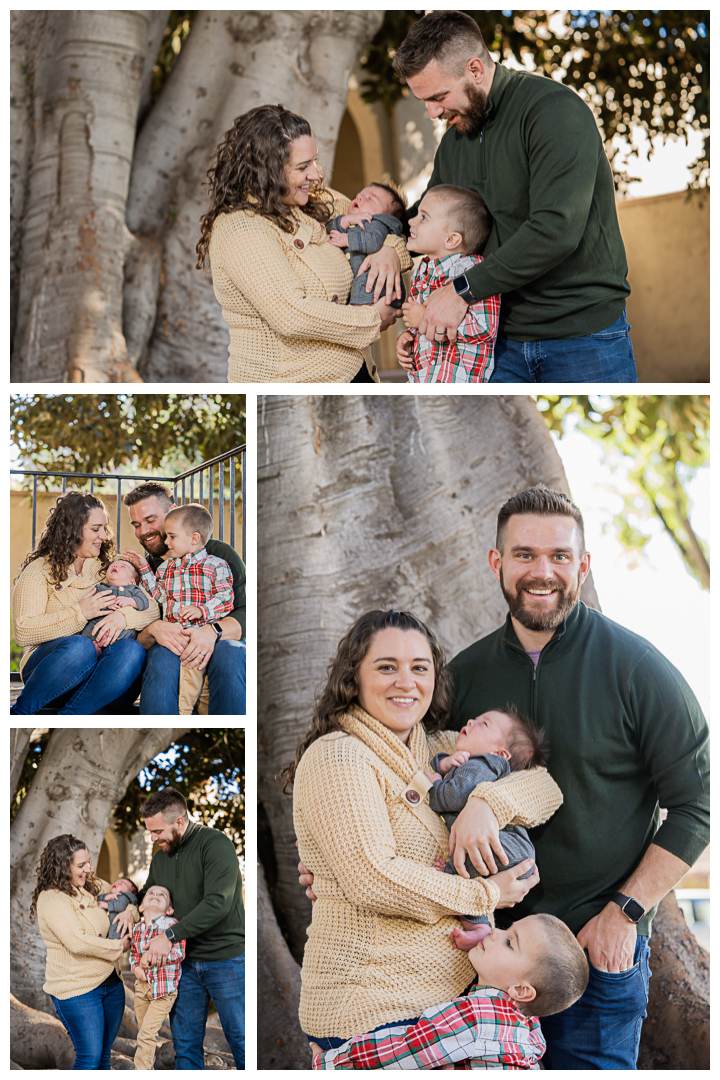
(464, 211)
(452, 38)
(560, 975)
(168, 802)
(193, 517)
(398, 204)
(147, 491)
(543, 501)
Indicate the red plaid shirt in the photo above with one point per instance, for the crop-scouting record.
(484, 1030)
(197, 579)
(162, 980)
(472, 357)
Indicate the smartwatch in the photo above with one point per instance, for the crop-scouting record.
(217, 629)
(170, 935)
(630, 907)
(462, 288)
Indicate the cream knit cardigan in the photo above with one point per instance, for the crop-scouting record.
(283, 296)
(42, 612)
(378, 947)
(75, 930)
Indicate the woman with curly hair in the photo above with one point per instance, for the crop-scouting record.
(81, 973)
(282, 286)
(379, 949)
(59, 590)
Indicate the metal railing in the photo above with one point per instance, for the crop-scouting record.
(209, 477)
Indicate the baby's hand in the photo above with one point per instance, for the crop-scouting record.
(191, 612)
(102, 904)
(413, 313)
(355, 219)
(137, 560)
(125, 601)
(339, 239)
(432, 775)
(139, 973)
(403, 350)
(458, 758)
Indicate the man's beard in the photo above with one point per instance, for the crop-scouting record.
(173, 845)
(548, 619)
(472, 120)
(158, 541)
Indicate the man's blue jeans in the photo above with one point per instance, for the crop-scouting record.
(92, 1021)
(226, 674)
(605, 357)
(201, 980)
(67, 674)
(602, 1029)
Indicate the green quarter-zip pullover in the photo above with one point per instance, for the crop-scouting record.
(626, 737)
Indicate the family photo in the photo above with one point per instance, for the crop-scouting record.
(127, 898)
(483, 768)
(359, 196)
(128, 591)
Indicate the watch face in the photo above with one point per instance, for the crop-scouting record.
(633, 910)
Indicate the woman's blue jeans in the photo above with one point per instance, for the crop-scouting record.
(201, 980)
(605, 357)
(602, 1029)
(67, 674)
(92, 1021)
(226, 677)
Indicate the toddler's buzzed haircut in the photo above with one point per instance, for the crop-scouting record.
(465, 212)
(560, 974)
(193, 517)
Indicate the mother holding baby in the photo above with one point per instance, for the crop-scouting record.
(59, 590)
(378, 949)
(282, 285)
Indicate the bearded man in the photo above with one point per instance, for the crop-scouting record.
(531, 148)
(199, 868)
(626, 736)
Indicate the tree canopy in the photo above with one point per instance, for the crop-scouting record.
(666, 438)
(106, 432)
(642, 70)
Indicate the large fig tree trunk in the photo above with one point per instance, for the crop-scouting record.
(105, 224)
(389, 501)
(83, 774)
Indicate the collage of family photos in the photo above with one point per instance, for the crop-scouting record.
(461, 633)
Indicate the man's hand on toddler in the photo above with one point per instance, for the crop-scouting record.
(456, 759)
(138, 561)
(191, 612)
(413, 313)
(157, 951)
(355, 219)
(403, 350)
(339, 239)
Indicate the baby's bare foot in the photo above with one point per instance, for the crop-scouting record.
(465, 940)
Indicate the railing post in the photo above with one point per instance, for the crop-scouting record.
(221, 493)
(232, 500)
(119, 505)
(244, 532)
(34, 527)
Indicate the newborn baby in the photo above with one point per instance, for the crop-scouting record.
(374, 212)
(123, 582)
(123, 893)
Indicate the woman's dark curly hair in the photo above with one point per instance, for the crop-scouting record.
(341, 688)
(248, 173)
(53, 869)
(63, 534)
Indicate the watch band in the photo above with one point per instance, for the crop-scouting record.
(169, 934)
(217, 629)
(631, 908)
(462, 288)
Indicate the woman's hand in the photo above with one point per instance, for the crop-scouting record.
(512, 889)
(388, 315)
(306, 879)
(96, 603)
(476, 833)
(124, 922)
(109, 629)
(403, 350)
(413, 313)
(126, 944)
(384, 270)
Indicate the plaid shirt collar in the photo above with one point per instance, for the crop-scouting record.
(190, 559)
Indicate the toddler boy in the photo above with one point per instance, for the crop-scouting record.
(123, 581)
(534, 968)
(155, 987)
(489, 747)
(194, 588)
(375, 212)
(451, 229)
(123, 893)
